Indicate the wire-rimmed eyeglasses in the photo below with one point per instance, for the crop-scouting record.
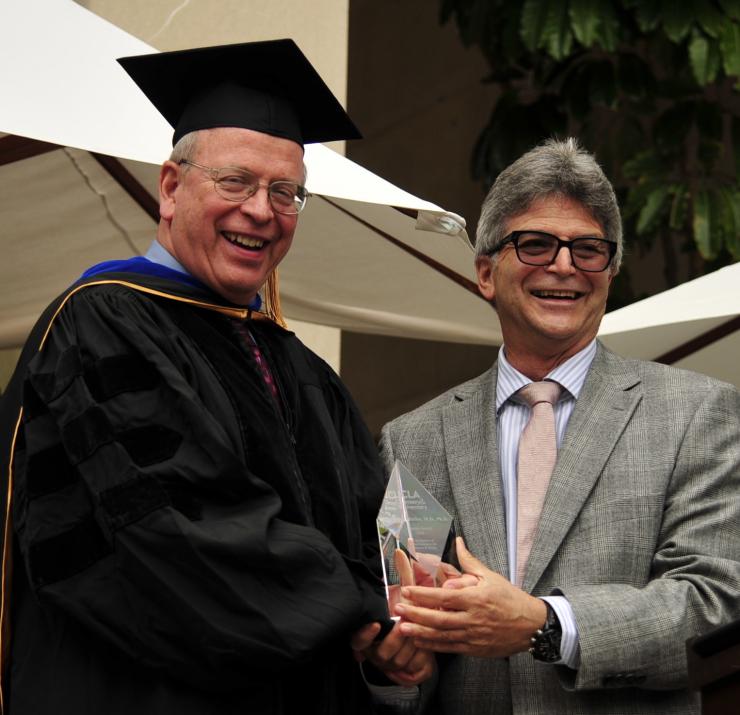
(234, 184)
(537, 248)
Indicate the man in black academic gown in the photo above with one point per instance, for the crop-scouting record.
(192, 491)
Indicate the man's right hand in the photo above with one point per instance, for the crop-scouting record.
(396, 656)
(478, 614)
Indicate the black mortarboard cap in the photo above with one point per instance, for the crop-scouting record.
(269, 87)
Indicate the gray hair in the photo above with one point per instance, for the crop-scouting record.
(184, 149)
(186, 146)
(554, 168)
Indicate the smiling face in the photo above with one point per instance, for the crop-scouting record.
(547, 313)
(231, 247)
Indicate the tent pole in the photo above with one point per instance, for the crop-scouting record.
(699, 342)
(14, 148)
(462, 281)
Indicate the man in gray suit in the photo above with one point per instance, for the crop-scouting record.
(637, 543)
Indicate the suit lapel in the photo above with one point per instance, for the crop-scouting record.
(471, 446)
(605, 406)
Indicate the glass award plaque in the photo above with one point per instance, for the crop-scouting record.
(414, 530)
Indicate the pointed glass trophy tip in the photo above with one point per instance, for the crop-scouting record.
(412, 520)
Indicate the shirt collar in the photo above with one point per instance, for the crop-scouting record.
(570, 375)
(157, 253)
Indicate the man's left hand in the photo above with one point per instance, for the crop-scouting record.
(492, 618)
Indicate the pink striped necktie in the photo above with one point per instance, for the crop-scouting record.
(537, 455)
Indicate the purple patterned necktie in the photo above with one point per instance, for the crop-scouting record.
(244, 332)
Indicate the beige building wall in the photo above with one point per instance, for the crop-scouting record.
(319, 27)
(389, 376)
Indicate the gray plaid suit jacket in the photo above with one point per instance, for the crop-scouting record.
(640, 531)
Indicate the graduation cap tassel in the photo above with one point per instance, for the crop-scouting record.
(271, 297)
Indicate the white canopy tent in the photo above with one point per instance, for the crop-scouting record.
(694, 326)
(78, 177)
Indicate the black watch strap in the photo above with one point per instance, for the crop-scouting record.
(545, 643)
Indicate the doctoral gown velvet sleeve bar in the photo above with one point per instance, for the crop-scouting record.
(187, 542)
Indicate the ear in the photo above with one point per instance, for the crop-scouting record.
(169, 180)
(484, 267)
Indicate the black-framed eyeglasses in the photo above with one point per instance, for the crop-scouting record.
(234, 184)
(537, 248)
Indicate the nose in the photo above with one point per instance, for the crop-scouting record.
(563, 263)
(258, 206)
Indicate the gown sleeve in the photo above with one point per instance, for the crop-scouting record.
(136, 516)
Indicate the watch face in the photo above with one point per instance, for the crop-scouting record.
(546, 641)
(546, 646)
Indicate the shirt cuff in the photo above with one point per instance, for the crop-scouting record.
(570, 649)
(403, 697)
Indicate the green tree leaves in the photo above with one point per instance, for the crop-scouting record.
(653, 209)
(714, 221)
(705, 58)
(545, 25)
(702, 224)
(554, 25)
(584, 21)
(678, 18)
(729, 42)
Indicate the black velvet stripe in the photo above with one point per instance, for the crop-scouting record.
(151, 444)
(83, 435)
(130, 501)
(115, 375)
(71, 552)
(49, 471)
(50, 385)
(33, 405)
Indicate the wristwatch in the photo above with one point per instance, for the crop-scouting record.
(546, 640)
